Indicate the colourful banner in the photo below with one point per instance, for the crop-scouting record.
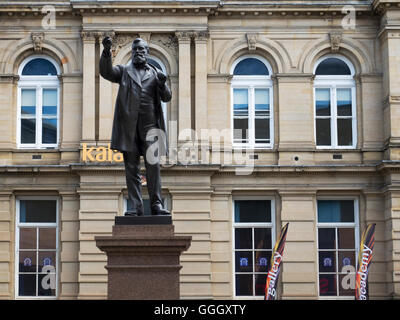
(276, 259)
(364, 259)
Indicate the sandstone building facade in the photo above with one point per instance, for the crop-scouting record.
(305, 96)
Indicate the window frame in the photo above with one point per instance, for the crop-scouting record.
(251, 83)
(271, 225)
(333, 83)
(37, 83)
(355, 225)
(19, 224)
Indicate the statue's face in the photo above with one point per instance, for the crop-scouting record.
(139, 52)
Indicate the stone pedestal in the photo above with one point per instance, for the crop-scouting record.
(143, 258)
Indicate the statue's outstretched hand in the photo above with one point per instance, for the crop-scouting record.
(107, 43)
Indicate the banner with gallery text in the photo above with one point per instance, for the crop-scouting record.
(276, 259)
(364, 260)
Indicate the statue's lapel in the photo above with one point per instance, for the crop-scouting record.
(147, 74)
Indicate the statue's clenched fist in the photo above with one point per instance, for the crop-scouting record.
(107, 43)
(161, 77)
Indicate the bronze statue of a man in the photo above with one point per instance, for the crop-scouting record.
(138, 112)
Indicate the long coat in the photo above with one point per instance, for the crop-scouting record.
(128, 100)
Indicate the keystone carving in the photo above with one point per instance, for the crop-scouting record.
(37, 41)
(336, 39)
(251, 41)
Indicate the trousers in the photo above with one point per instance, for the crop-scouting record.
(146, 122)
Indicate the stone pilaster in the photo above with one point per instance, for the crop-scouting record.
(88, 87)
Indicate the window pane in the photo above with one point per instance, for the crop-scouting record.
(39, 67)
(47, 238)
(38, 211)
(244, 284)
(28, 102)
(49, 102)
(327, 261)
(47, 258)
(343, 102)
(345, 132)
(326, 238)
(333, 66)
(49, 131)
(261, 102)
(262, 130)
(335, 211)
(260, 280)
(27, 238)
(327, 285)
(346, 258)
(345, 281)
(46, 285)
(27, 285)
(27, 261)
(262, 260)
(240, 130)
(262, 238)
(243, 261)
(250, 66)
(346, 238)
(252, 211)
(240, 102)
(28, 130)
(323, 102)
(243, 238)
(323, 132)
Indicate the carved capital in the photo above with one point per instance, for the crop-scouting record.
(251, 41)
(336, 39)
(89, 35)
(37, 41)
(104, 34)
(183, 36)
(200, 35)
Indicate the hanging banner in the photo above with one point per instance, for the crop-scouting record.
(276, 259)
(364, 260)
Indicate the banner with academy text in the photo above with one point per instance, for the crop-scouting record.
(276, 259)
(364, 260)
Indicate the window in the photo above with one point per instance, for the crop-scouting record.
(252, 110)
(36, 248)
(38, 103)
(253, 241)
(337, 246)
(334, 104)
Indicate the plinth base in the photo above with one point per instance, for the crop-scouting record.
(143, 258)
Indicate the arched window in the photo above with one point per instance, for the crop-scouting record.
(334, 103)
(38, 103)
(252, 107)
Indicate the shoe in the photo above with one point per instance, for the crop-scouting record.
(160, 212)
(133, 213)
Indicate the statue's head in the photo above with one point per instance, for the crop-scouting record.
(140, 51)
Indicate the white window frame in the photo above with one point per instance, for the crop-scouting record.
(19, 224)
(38, 83)
(235, 225)
(333, 83)
(251, 83)
(355, 225)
